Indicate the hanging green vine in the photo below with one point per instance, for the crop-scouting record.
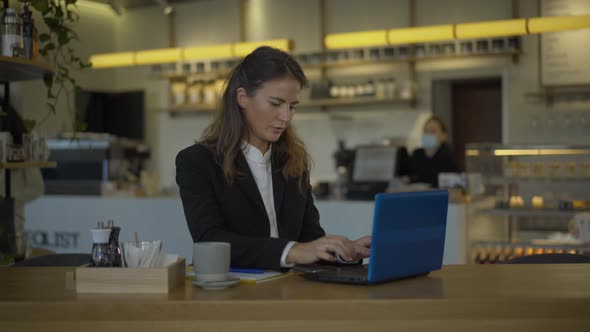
(56, 47)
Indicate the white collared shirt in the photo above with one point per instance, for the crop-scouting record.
(261, 168)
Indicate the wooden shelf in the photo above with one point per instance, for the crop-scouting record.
(28, 164)
(210, 75)
(467, 56)
(19, 69)
(550, 94)
(194, 108)
(524, 212)
(350, 63)
(499, 180)
(539, 243)
(327, 102)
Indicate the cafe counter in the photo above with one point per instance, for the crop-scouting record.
(458, 298)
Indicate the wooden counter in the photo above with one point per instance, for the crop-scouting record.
(458, 298)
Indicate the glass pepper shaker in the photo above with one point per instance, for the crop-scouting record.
(114, 249)
(100, 240)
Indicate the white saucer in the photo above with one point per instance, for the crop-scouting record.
(216, 285)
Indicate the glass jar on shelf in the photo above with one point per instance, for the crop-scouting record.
(539, 169)
(41, 149)
(554, 169)
(511, 169)
(524, 169)
(178, 93)
(586, 169)
(195, 93)
(15, 153)
(571, 169)
(209, 94)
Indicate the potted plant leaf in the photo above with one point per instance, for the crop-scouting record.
(56, 46)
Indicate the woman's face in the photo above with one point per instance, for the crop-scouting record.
(433, 128)
(269, 111)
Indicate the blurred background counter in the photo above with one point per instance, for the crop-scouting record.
(60, 223)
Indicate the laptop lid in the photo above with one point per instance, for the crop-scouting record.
(408, 234)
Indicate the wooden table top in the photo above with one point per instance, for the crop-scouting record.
(524, 297)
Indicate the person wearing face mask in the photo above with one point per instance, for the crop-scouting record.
(246, 181)
(434, 157)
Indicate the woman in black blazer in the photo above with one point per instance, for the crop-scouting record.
(247, 181)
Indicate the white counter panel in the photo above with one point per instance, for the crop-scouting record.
(62, 223)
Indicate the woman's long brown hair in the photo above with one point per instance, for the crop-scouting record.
(224, 136)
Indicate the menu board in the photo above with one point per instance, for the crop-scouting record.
(565, 55)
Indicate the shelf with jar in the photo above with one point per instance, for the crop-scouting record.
(540, 185)
(14, 69)
(196, 96)
(402, 54)
(532, 212)
(202, 96)
(575, 95)
(345, 91)
(19, 61)
(188, 77)
(28, 164)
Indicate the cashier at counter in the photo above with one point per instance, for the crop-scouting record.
(434, 157)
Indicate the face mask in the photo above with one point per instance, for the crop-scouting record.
(429, 141)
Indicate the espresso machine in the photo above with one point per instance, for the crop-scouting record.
(86, 163)
(366, 170)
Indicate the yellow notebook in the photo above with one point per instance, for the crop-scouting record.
(255, 278)
(246, 278)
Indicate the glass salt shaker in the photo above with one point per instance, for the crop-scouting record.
(100, 248)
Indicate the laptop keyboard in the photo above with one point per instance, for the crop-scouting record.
(348, 275)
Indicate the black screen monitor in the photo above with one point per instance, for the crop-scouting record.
(116, 113)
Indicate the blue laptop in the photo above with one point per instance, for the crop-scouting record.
(408, 239)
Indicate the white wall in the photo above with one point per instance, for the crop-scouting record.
(207, 22)
(212, 22)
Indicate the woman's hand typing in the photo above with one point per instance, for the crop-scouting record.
(327, 248)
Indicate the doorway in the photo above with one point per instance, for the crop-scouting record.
(472, 110)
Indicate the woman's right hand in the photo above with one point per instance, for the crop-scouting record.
(326, 248)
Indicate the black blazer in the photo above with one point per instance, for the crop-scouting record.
(218, 211)
(426, 169)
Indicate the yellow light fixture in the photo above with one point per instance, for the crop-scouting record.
(207, 52)
(491, 29)
(163, 55)
(558, 23)
(356, 39)
(171, 55)
(112, 60)
(421, 34)
(472, 153)
(245, 48)
(540, 152)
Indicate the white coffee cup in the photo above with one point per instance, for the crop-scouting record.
(211, 261)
